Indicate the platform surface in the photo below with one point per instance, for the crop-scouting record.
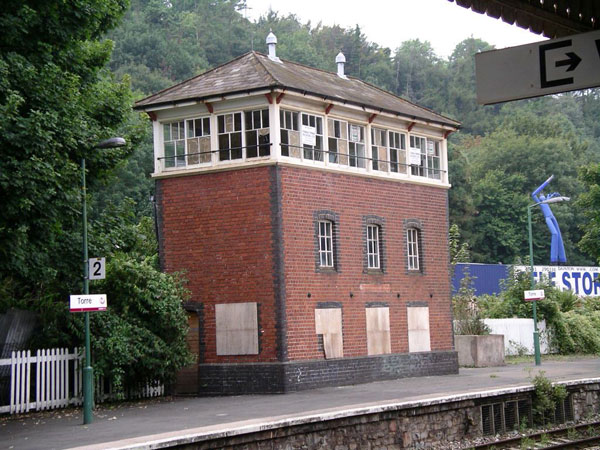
(154, 423)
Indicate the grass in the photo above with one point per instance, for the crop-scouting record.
(530, 358)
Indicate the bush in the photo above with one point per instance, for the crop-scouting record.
(467, 315)
(141, 336)
(574, 321)
(545, 398)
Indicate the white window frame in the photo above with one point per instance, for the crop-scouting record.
(289, 121)
(204, 121)
(373, 242)
(357, 149)
(257, 125)
(377, 163)
(412, 249)
(427, 168)
(393, 150)
(313, 149)
(230, 148)
(434, 154)
(336, 136)
(178, 159)
(325, 236)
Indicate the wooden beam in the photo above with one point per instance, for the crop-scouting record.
(328, 108)
(209, 106)
(279, 98)
(151, 115)
(372, 117)
(410, 127)
(447, 133)
(269, 98)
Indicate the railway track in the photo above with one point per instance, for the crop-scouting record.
(585, 435)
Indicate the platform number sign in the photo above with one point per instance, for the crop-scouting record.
(97, 268)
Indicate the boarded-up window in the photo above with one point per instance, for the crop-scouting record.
(237, 329)
(378, 331)
(328, 322)
(418, 329)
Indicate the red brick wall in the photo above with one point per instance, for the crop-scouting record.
(352, 198)
(216, 228)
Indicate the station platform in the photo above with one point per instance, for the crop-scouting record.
(161, 423)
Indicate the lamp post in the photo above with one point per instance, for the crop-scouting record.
(536, 336)
(88, 380)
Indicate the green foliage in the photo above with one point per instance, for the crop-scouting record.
(57, 101)
(141, 337)
(467, 314)
(459, 252)
(545, 398)
(575, 322)
(589, 202)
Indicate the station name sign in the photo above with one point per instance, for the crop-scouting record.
(581, 280)
(88, 302)
(541, 68)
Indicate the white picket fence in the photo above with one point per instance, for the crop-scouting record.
(53, 379)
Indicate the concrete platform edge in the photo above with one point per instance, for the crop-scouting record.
(200, 434)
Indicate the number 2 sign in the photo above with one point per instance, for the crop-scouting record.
(96, 268)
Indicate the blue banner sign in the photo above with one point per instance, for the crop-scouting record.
(583, 281)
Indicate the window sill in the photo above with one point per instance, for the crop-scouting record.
(327, 270)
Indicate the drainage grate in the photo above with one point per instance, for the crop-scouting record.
(505, 416)
(564, 410)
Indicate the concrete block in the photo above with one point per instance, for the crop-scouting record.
(480, 351)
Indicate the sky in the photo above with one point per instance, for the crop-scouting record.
(388, 23)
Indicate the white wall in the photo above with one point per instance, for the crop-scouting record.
(518, 334)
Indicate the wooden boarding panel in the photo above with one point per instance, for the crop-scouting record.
(328, 322)
(237, 329)
(418, 329)
(378, 331)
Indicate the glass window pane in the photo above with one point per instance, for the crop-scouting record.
(256, 119)
(221, 124)
(295, 122)
(236, 144)
(251, 147)
(206, 127)
(265, 118)
(248, 122)
(237, 121)
(223, 141)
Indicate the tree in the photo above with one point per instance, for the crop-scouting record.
(56, 101)
(589, 202)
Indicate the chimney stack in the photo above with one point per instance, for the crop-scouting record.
(340, 59)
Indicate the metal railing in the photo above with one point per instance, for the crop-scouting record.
(325, 157)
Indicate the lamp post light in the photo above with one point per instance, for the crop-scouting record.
(536, 336)
(88, 380)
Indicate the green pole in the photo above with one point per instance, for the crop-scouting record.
(536, 336)
(88, 381)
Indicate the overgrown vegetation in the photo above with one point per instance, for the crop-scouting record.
(467, 314)
(57, 100)
(546, 398)
(574, 322)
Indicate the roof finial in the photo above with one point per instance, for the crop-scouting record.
(271, 44)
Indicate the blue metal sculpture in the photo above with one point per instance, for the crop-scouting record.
(557, 247)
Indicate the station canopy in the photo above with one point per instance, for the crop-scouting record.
(550, 18)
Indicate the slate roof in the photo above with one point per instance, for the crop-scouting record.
(254, 71)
